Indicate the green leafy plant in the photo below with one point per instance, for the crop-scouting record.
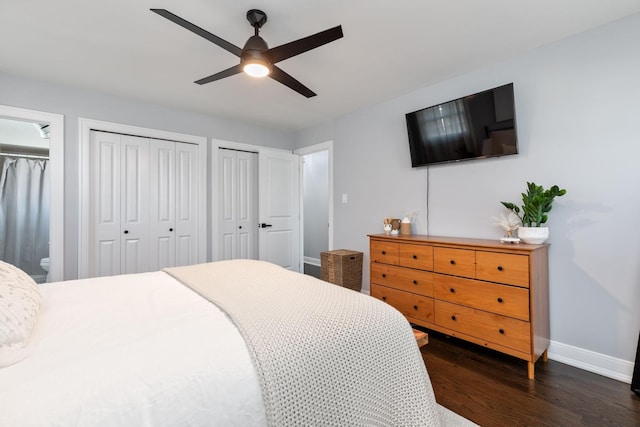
(536, 204)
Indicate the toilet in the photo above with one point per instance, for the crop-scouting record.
(44, 263)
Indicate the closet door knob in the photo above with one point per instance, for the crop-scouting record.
(171, 229)
(240, 227)
(126, 231)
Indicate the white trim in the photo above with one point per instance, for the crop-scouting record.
(601, 364)
(56, 161)
(86, 126)
(312, 261)
(323, 146)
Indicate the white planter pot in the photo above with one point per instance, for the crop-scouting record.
(533, 235)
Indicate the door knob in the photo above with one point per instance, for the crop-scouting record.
(263, 225)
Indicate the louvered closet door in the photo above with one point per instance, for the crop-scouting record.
(186, 205)
(162, 178)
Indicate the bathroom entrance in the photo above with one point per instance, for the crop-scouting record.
(25, 196)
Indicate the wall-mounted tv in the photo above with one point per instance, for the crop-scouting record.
(472, 127)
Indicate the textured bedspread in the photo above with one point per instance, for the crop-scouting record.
(324, 355)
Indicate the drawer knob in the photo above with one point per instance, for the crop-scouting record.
(384, 252)
(384, 275)
(500, 268)
(384, 298)
(501, 331)
(499, 299)
(453, 317)
(415, 257)
(415, 307)
(453, 262)
(415, 282)
(453, 291)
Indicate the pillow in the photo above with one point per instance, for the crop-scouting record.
(19, 305)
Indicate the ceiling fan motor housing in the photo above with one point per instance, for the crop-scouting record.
(256, 50)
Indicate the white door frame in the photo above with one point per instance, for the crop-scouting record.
(323, 146)
(56, 162)
(86, 126)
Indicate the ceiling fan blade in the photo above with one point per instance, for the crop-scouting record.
(221, 75)
(284, 78)
(287, 50)
(199, 31)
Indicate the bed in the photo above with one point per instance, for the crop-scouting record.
(231, 343)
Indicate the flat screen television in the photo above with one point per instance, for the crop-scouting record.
(476, 126)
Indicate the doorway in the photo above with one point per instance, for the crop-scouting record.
(24, 196)
(317, 203)
(32, 223)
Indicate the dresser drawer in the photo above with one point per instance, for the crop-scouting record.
(417, 256)
(385, 252)
(458, 262)
(404, 279)
(491, 327)
(501, 299)
(503, 268)
(411, 305)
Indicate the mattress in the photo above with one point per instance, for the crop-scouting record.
(131, 350)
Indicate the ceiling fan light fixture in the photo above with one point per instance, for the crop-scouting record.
(256, 69)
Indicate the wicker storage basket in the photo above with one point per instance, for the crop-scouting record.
(342, 267)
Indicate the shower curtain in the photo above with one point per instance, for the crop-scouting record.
(24, 214)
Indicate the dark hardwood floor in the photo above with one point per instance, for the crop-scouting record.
(492, 389)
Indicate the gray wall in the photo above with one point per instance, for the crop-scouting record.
(316, 203)
(577, 106)
(75, 103)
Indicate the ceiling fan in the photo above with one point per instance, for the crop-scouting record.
(256, 59)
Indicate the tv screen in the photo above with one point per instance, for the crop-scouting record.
(473, 127)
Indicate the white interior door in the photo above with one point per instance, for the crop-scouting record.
(279, 208)
(134, 190)
(187, 202)
(104, 209)
(162, 180)
(238, 177)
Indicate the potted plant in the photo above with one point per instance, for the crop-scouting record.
(536, 204)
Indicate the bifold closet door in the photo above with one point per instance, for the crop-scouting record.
(173, 172)
(186, 206)
(238, 204)
(119, 210)
(162, 176)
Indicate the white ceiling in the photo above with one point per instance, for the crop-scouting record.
(389, 48)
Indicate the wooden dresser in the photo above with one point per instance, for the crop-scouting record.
(482, 291)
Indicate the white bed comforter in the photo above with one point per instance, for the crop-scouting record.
(136, 350)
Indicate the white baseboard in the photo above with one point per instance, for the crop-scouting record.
(312, 261)
(601, 364)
